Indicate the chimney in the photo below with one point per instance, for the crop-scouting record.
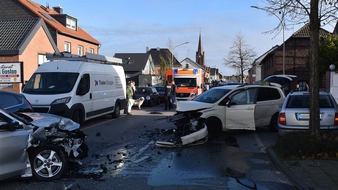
(58, 9)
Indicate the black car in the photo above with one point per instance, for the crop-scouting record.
(160, 90)
(14, 102)
(150, 95)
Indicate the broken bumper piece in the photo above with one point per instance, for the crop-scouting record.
(198, 137)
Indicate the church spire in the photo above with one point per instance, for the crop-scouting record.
(200, 52)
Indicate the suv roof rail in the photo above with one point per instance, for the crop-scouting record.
(65, 56)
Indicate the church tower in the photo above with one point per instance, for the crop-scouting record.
(200, 52)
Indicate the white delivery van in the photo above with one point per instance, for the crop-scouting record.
(78, 90)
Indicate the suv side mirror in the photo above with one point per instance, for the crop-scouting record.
(226, 102)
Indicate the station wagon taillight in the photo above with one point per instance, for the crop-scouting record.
(282, 119)
(336, 119)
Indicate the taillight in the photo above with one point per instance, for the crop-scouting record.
(336, 119)
(282, 119)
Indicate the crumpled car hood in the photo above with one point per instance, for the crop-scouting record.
(183, 106)
(44, 120)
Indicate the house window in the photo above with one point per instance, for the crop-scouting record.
(80, 50)
(67, 47)
(91, 50)
(71, 23)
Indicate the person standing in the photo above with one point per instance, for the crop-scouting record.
(130, 95)
(167, 96)
(173, 94)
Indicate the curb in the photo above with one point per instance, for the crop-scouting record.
(282, 166)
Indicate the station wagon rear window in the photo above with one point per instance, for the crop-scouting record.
(303, 101)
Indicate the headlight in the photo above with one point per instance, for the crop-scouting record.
(62, 100)
(68, 124)
(148, 98)
(193, 94)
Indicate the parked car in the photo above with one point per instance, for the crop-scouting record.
(230, 107)
(295, 113)
(13, 102)
(150, 95)
(282, 81)
(160, 90)
(44, 145)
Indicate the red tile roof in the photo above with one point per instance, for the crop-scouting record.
(305, 32)
(42, 12)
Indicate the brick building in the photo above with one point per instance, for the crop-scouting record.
(296, 52)
(28, 31)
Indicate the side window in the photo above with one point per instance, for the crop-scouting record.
(84, 85)
(3, 121)
(240, 98)
(265, 94)
(244, 97)
(262, 95)
(11, 100)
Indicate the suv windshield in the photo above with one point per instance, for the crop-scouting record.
(303, 101)
(212, 95)
(50, 83)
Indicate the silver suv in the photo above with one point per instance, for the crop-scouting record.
(295, 112)
(230, 107)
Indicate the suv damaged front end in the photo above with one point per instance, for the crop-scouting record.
(190, 129)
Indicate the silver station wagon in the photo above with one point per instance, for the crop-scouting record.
(295, 112)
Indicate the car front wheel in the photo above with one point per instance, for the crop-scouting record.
(48, 162)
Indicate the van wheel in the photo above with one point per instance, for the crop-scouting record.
(274, 122)
(117, 110)
(76, 116)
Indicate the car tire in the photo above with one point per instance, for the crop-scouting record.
(274, 123)
(214, 127)
(48, 162)
(117, 111)
(76, 116)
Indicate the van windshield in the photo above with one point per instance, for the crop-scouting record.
(50, 83)
(185, 82)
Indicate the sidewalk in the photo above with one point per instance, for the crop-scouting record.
(309, 174)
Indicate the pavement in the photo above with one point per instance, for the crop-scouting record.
(309, 174)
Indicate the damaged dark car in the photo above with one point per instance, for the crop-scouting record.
(38, 145)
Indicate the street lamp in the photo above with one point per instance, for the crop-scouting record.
(172, 55)
(282, 23)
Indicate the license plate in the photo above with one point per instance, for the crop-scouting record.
(305, 116)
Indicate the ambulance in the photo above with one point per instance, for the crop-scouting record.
(189, 82)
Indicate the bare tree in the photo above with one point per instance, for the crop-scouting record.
(240, 56)
(317, 13)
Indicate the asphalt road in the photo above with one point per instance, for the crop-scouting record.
(123, 155)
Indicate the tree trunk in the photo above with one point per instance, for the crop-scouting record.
(314, 58)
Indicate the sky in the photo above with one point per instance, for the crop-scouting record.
(132, 26)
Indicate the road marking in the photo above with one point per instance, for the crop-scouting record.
(259, 142)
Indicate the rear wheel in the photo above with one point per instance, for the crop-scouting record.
(274, 122)
(48, 162)
(117, 110)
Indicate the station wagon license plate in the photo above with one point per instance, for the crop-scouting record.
(305, 116)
